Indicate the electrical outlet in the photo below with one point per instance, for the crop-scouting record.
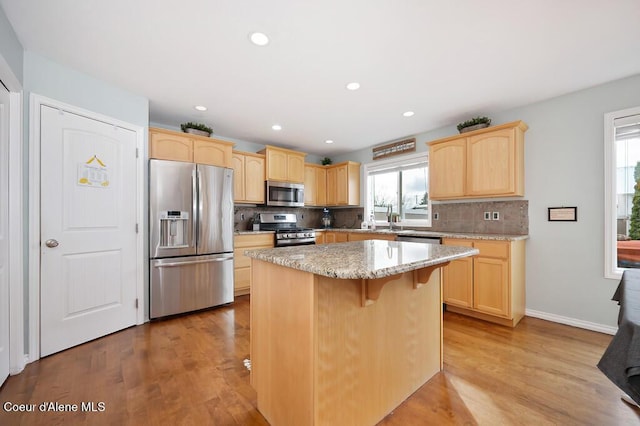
(436, 216)
(487, 215)
(496, 216)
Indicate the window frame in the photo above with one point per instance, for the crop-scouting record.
(397, 163)
(611, 269)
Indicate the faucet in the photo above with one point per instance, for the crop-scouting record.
(389, 216)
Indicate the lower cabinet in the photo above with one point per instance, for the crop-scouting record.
(490, 286)
(326, 237)
(363, 236)
(335, 237)
(242, 263)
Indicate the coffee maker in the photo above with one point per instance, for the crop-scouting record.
(326, 218)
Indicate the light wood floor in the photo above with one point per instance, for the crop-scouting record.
(189, 370)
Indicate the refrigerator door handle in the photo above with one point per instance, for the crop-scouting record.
(200, 207)
(191, 262)
(194, 208)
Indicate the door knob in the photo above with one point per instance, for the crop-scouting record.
(51, 243)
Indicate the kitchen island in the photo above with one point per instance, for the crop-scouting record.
(344, 333)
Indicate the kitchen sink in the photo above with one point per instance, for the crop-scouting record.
(395, 231)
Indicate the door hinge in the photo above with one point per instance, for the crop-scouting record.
(136, 228)
(137, 153)
(136, 303)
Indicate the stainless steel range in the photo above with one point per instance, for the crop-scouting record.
(287, 232)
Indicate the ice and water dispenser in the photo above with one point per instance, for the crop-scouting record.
(174, 229)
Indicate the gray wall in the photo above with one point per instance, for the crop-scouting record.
(11, 52)
(563, 167)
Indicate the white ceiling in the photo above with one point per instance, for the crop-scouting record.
(445, 60)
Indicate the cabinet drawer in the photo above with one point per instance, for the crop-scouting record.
(497, 249)
(254, 241)
(457, 242)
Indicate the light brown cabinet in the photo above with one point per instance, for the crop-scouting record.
(326, 237)
(343, 184)
(335, 237)
(315, 185)
(248, 179)
(490, 286)
(284, 164)
(335, 185)
(170, 145)
(363, 236)
(483, 163)
(241, 263)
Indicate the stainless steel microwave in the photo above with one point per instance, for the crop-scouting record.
(285, 194)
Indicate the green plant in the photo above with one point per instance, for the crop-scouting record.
(326, 161)
(634, 220)
(473, 122)
(196, 126)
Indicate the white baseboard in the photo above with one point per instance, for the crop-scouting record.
(572, 322)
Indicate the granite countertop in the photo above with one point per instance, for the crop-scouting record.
(361, 259)
(437, 234)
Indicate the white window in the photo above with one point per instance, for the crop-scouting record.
(399, 187)
(622, 191)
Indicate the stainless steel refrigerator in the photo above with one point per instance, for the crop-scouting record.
(190, 237)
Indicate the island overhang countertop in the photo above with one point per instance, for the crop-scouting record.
(368, 259)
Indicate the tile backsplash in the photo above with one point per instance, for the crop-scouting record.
(513, 217)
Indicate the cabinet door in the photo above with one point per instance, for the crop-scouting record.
(491, 161)
(491, 286)
(457, 278)
(170, 147)
(295, 168)
(332, 184)
(310, 190)
(329, 237)
(342, 237)
(342, 185)
(276, 165)
(254, 179)
(321, 186)
(242, 263)
(237, 161)
(213, 153)
(447, 164)
(320, 238)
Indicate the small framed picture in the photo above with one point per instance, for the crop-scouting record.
(563, 214)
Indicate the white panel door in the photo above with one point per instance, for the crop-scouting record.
(87, 229)
(4, 234)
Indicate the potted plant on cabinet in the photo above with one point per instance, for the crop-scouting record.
(196, 129)
(474, 124)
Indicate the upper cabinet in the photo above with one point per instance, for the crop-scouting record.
(170, 145)
(248, 180)
(343, 184)
(284, 164)
(335, 185)
(483, 163)
(315, 185)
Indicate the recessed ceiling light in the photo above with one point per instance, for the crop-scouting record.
(276, 127)
(408, 113)
(200, 108)
(328, 141)
(259, 39)
(353, 86)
